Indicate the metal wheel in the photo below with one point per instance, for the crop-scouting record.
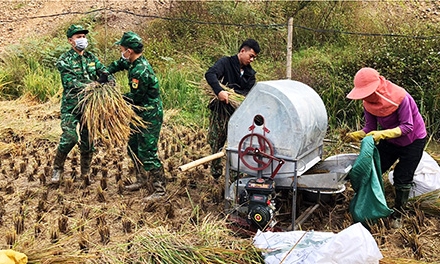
(259, 147)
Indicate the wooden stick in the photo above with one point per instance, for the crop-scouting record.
(198, 162)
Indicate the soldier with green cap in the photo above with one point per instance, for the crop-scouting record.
(79, 70)
(144, 92)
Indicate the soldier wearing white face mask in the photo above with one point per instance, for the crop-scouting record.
(79, 69)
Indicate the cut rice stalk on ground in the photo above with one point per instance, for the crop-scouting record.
(428, 202)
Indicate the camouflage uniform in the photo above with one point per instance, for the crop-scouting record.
(77, 72)
(144, 92)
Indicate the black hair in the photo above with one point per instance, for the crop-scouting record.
(250, 43)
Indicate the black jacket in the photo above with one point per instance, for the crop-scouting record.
(227, 71)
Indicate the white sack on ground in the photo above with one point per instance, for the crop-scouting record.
(426, 176)
(353, 245)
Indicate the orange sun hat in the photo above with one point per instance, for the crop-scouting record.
(366, 81)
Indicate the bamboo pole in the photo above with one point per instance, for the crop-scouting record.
(289, 48)
(198, 162)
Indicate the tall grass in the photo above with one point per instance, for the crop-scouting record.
(42, 83)
(181, 50)
(180, 90)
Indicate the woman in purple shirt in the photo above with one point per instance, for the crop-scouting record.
(402, 134)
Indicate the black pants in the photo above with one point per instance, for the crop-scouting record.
(408, 156)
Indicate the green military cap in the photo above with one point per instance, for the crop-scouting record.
(130, 40)
(76, 29)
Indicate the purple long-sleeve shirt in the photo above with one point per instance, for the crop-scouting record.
(407, 117)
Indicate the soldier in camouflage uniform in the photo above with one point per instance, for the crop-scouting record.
(144, 92)
(79, 69)
(236, 73)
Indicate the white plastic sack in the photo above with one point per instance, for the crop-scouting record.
(426, 176)
(353, 245)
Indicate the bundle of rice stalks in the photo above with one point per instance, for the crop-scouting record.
(235, 99)
(62, 251)
(208, 242)
(108, 116)
(428, 202)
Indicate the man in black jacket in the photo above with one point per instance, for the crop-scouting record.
(236, 73)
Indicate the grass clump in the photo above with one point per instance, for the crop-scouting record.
(208, 242)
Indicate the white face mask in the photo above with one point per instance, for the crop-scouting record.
(123, 57)
(81, 43)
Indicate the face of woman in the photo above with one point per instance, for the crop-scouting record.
(372, 98)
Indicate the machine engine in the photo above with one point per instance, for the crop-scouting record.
(259, 194)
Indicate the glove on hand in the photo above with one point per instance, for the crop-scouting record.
(356, 135)
(103, 78)
(385, 134)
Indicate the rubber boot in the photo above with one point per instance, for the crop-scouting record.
(141, 181)
(85, 162)
(58, 166)
(216, 169)
(402, 195)
(159, 183)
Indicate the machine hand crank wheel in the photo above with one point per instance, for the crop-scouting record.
(259, 147)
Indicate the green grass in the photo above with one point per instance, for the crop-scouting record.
(180, 52)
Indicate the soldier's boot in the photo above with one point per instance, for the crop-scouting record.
(85, 162)
(159, 183)
(402, 195)
(58, 166)
(141, 181)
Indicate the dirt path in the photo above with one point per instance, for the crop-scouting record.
(28, 18)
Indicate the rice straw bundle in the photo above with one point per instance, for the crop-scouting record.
(108, 116)
(207, 242)
(428, 202)
(235, 99)
(221, 109)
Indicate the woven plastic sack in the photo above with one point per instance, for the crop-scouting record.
(368, 203)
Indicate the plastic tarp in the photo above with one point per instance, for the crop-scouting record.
(354, 245)
(426, 177)
(368, 203)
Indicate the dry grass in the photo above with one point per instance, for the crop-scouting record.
(428, 202)
(206, 242)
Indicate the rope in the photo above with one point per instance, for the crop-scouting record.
(186, 20)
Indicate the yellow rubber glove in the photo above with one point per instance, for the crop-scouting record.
(385, 134)
(356, 135)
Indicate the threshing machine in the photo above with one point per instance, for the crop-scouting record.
(274, 150)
